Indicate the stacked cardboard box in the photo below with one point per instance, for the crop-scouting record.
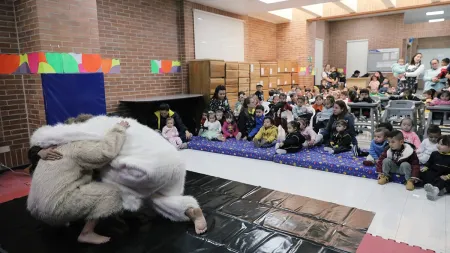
(255, 76)
(205, 76)
(232, 81)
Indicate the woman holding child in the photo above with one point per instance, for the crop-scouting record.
(413, 71)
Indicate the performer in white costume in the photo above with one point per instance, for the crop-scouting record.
(147, 168)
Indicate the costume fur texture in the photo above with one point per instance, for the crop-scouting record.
(62, 190)
(147, 168)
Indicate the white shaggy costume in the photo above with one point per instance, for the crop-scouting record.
(147, 168)
(63, 191)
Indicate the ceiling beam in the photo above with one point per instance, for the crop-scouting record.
(348, 5)
(378, 12)
(315, 10)
(389, 3)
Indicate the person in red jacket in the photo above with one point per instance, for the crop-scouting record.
(400, 158)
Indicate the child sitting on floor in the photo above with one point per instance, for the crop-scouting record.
(323, 117)
(429, 145)
(411, 137)
(311, 137)
(436, 173)
(259, 92)
(214, 128)
(170, 132)
(202, 123)
(341, 140)
(229, 128)
(238, 105)
(302, 109)
(267, 135)
(444, 99)
(400, 158)
(219, 116)
(259, 121)
(377, 146)
(318, 103)
(293, 141)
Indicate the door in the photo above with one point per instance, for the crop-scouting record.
(357, 53)
(318, 61)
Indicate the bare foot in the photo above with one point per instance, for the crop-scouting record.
(196, 215)
(92, 238)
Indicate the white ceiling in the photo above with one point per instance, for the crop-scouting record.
(246, 7)
(419, 15)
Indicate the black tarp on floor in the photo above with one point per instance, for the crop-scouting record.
(241, 218)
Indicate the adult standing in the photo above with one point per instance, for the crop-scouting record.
(326, 75)
(160, 118)
(219, 100)
(431, 82)
(413, 71)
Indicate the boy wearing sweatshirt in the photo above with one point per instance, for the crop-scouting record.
(377, 146)
(259, 120)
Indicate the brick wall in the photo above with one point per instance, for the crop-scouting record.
(295, 41)
(136, 32)
(13, 116)
(382, 32)
(262, 40)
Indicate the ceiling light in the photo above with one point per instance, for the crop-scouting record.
(436, 20)
(272, 1)
(432, 13)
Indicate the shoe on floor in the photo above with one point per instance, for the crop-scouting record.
(383, 179)
(183, 146)
(281, 151)
(410, 185)
(432, 191)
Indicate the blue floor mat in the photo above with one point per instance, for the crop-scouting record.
(232, 147)
(313, 158)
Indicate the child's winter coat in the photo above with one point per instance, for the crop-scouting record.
(293, 142)
(268, 134)
(406, 154)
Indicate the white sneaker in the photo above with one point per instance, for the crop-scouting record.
(281, 151)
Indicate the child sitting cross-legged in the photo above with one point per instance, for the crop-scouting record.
(429, 145)
(311, 137)
(377, 146)
(302, 109)
(436, 173)
(400, 158)
(341, 140)
(214, 128)
(410, 136)
(267, 135)
(229, 127)
(293, 141)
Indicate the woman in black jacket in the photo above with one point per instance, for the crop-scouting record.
(246, 120)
